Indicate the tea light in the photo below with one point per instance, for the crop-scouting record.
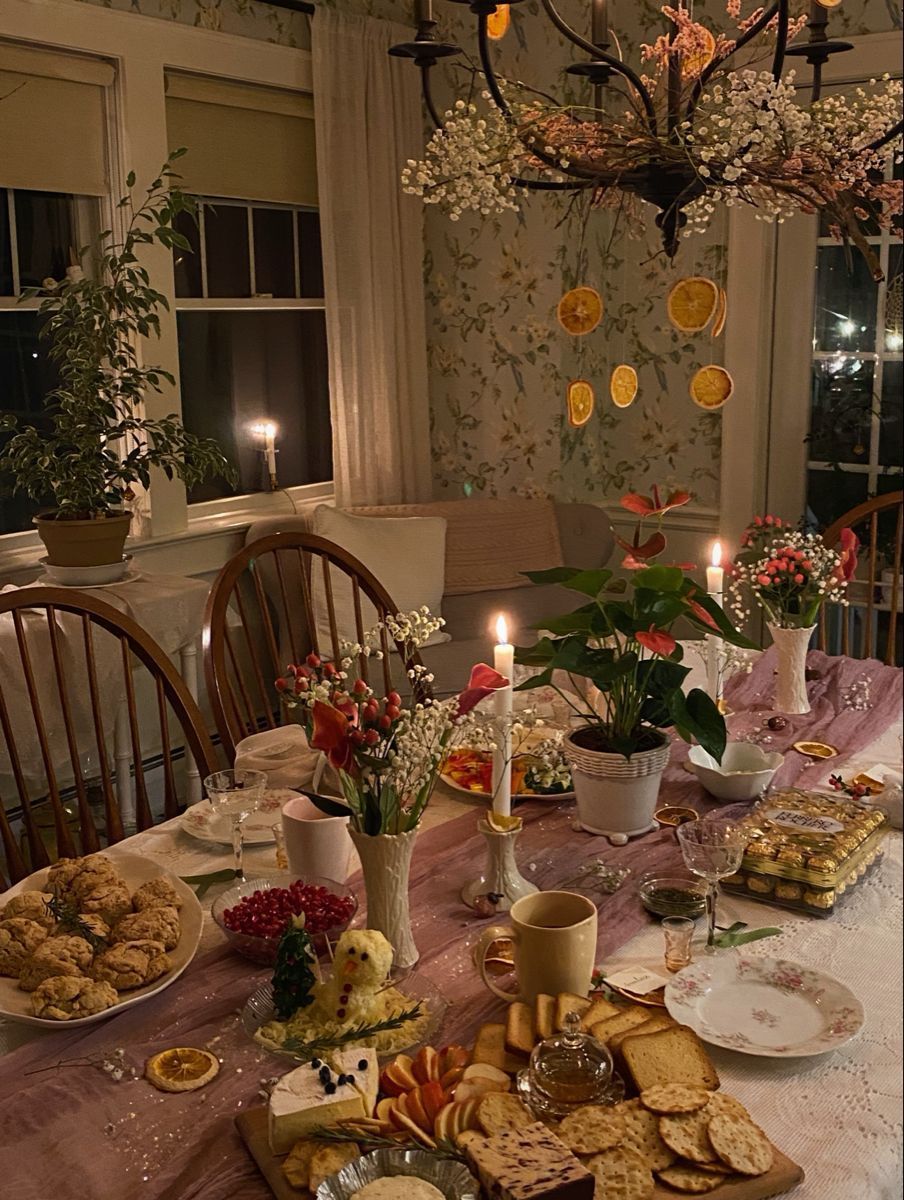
(504, 662)
(715, 580)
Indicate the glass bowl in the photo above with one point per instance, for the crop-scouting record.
(262, 949)
(672, 893)
(451, 1178)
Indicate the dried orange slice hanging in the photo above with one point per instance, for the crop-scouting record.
(182, 1069)
(829, 3)
(623, 385)
(711, 387)
(694, 63)
(580, 310)
(692, 302)
(721, 315)
(580, 402)
(498, 22)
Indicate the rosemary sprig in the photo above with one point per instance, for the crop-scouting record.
(443, 1147)
(357, 1033)
(68, 917)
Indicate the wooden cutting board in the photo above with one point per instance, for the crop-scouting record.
(783, 1176)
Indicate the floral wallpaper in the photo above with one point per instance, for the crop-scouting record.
(499, 362)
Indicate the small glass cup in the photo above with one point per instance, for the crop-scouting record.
(678, 934)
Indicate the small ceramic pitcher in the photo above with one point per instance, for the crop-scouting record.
(316, 845)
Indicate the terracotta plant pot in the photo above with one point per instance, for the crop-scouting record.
(91, 543)
(615, 794)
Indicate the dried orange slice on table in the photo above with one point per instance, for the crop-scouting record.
(692, 303)
(498, 22)
(711, 387)
(182, 1069)
(623, 386)
(580, 402)
(580, 310)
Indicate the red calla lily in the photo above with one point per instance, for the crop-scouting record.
(483, 682)
(330, 734)
(657, 641)
(653, 506)
(849, 545)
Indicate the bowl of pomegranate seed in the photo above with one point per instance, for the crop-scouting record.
(254, 914)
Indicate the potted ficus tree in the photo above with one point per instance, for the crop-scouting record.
(94, 442)
(624, 671)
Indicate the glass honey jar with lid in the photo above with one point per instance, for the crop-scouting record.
(568, 1070)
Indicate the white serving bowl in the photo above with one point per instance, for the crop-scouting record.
(744, 773)
(87, 576)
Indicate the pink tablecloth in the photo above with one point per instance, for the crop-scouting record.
(71, 1132)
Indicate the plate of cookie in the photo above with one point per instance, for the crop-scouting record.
(87, 937)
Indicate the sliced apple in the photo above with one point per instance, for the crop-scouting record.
(419, 1134)
(416, 1110)
(398, 1077)
(489, 1072)
(451, 1078)
(452, 1057)
(433, 1098)
(426, 1066)
(474, 1089)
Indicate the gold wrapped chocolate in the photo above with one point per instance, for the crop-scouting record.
(820, 899)
(757, 883)
(761, 848)
(791, 856)
(788, 891)
(822, 862)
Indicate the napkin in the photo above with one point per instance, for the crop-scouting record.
(287, 760)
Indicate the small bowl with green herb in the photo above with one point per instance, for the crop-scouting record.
(674, 893)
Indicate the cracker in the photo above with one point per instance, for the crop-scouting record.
(642, 1135)
(568, 1002)
(687, 1134)
(740, 1144)
(622, 1174)
(499, 1111)
(674, 1098)
(690, 1180)
(599, 1009)
(519, 1028)
(544, 1016)
(489, 1046)
(592, 1129)
(329, 1159)
(297, 1164)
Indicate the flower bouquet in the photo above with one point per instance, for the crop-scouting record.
(387, 753)
(624, 665)
(790, 573)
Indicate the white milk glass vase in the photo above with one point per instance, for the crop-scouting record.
(386, 863)
(791, 681)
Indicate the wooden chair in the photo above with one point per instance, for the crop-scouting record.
(261, 616)
(865, 521)
(68, 660)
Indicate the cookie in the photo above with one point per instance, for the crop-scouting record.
(621, 1175)
(674, 1098)
(642, 1135)
(686, 1133)
(297, 1164)
(500, 1111)
(592, 1129)
(690, 1180)
(740, 1144)
(328, 1159)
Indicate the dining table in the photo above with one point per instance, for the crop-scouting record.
(80, 1122)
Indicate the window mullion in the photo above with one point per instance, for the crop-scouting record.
(202, 243)
(252, 272)
(13, 240)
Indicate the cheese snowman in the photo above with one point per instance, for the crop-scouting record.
(362, 961)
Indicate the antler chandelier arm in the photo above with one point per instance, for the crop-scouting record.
(707, 73)
(781, 40)
(427, 94)
(610, 60)
(483, 49)
(888, 136)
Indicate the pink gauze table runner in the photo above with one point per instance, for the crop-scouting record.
(72, 1132)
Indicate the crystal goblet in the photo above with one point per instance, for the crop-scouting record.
(712, 849)
(236, 794)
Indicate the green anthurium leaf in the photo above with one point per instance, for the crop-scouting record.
(553, 575)
(536, 681)
(580, 621)
(729, 938)
(327, 805)
(589, 583)
(726, 629)
(617, 587)
(696, 715)
(659, 579)
(537, 655)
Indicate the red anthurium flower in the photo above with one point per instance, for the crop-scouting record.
(653, 506)
(657, 641)
(483, 682)
(701, 614)
(655, 544)
(331, 735)
(850, 544)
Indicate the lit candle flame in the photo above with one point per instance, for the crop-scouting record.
(266, 429)
(501, 631)
(716, 559)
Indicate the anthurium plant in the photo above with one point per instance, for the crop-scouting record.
(620, 642)
(386, 753)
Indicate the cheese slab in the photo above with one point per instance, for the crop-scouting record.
(306, 1099)
(362, 1071)
(530, 1163)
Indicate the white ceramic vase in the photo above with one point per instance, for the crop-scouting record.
(386, 863)
(614, 794)
(791, 681)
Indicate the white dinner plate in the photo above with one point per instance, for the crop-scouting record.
(135, 870)
(203, 823)
(765, 1006)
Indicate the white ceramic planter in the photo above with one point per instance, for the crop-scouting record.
(386, 862)
(791, 681)
(616, 795)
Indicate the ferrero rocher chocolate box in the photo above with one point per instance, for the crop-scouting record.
(806, 850)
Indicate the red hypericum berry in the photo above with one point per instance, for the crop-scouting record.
(301, 685)
(281, 685)
(394, 698)
(356, 737)
(330, 671)
(371, 710)
(384, 722)
(359, 687)
(371, 737)
(313, 660)
(393, 712)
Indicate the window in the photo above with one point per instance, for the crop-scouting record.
(38, 234)
(855, 439)
(252, 341)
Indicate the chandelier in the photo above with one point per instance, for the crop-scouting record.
(706, 119)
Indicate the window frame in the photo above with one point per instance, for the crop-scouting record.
(142, 49)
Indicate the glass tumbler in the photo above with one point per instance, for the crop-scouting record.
(678, 932)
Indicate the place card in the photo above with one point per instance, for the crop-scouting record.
(638, 980)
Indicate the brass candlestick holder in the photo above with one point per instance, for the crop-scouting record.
(501, 882)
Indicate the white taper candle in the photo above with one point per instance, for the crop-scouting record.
(504, 662)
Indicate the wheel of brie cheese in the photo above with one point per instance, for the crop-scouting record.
(398, 1187)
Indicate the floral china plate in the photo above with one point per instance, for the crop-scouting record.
(200, 821)
(764, 1006)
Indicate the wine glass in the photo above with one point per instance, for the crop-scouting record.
(236, 794)
(712, 849)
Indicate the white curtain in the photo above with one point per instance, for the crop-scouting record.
(368, 122)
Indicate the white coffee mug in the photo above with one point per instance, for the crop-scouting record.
(554, 935)
(316, 845)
